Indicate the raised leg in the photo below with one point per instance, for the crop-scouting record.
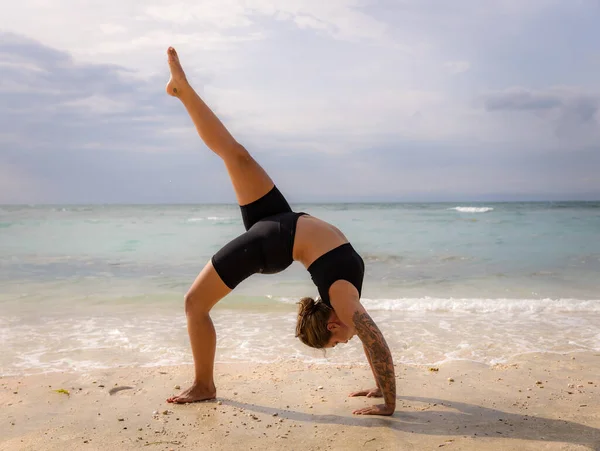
(205, 292)
(249, 179)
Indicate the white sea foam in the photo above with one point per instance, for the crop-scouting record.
(509, 306)
(472, 209)
(481, 305)
(195, 219)
(450, 330)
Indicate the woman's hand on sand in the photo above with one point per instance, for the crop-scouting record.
(369, 393)
(379, 409)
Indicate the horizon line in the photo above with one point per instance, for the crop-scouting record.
(357, 202)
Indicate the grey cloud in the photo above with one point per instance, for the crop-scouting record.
(66, 146)
(46, 97)
(579, 105)
(522, 99)
(18, 47)
(573, 113)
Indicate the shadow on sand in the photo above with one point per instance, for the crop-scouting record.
(455, 418)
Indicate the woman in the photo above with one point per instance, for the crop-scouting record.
(275, 237)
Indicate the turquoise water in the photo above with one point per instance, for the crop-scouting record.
(99, 286)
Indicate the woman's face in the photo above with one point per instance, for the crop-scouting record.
(340, 333)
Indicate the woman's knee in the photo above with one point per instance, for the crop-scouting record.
(235, 153)
(194, 304)
(205, 292)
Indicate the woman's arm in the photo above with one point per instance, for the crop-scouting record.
(344, 300)
(373, 392)
(371, 364)
(381, 358)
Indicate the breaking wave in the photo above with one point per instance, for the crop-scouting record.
(472, 209)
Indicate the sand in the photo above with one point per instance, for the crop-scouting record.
(534, 402)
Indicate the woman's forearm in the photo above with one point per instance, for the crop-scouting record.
(379, 355)
(371, 365)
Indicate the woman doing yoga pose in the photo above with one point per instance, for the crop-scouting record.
(276, 236)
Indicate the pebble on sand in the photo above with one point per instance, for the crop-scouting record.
(177, 387)
(450, 379)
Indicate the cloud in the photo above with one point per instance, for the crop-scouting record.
(579, 104)
(349, 70)
(47, 97)
(573, 113)
(344, 98)
(128, 32)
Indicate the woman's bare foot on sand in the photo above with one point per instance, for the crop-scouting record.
(195, 393)
(177, 82)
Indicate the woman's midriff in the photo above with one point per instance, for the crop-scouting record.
(314, 238)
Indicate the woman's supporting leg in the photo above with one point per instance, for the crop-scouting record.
(249, 179)
(205, 292)
(250, 182)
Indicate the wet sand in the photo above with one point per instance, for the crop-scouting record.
(534, 402)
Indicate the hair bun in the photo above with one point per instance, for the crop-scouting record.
(307, 306)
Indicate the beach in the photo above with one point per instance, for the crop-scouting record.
(534, 402)
(491, 313)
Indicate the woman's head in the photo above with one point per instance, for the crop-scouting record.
(318, 326)
(311, 327)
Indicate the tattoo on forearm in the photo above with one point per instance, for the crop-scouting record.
(371, 365)
(380, 356)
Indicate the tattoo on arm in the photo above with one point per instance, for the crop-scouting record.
(371, 365)
(379, 353)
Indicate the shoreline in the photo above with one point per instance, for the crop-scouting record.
(83, 342)
(314, 361)
(535, 401)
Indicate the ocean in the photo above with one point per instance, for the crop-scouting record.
(100, 286)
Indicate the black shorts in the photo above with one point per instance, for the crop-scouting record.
(266, 247)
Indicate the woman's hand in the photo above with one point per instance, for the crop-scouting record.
(370, 393)
(380, 409)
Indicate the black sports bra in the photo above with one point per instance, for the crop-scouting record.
(340, 263)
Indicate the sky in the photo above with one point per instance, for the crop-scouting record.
(343, 100)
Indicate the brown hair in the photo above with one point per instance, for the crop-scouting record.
(311, 327)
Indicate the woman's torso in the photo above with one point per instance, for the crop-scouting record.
(314, 238)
